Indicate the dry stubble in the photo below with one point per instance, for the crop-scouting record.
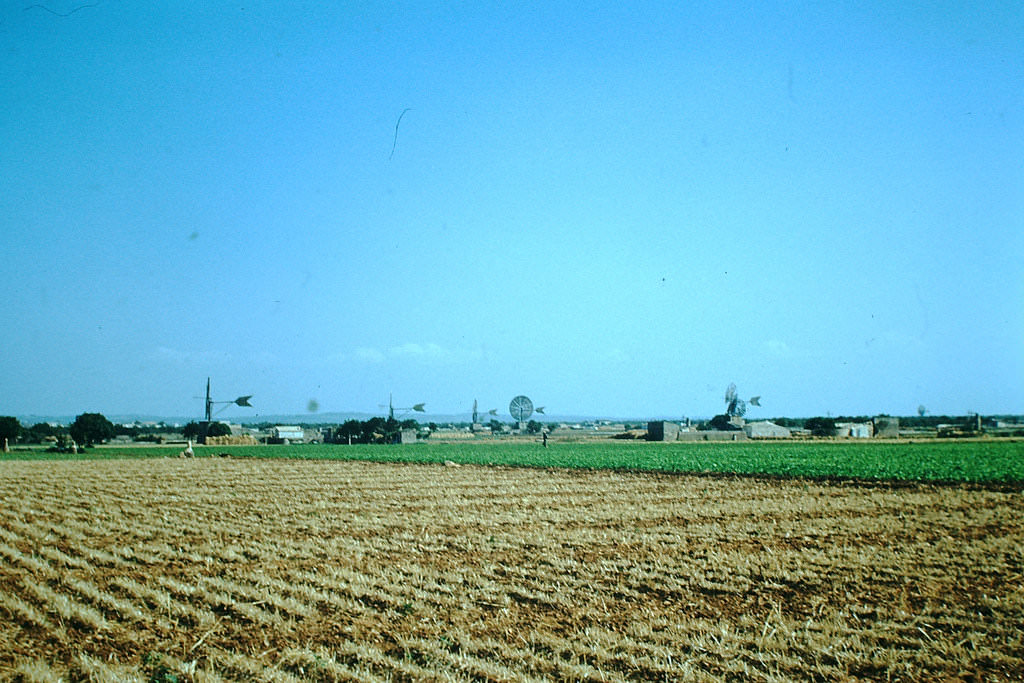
(272, 570)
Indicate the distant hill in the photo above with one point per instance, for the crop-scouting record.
(422, 418)
(334, 418)
(328, 418)
(29, 420)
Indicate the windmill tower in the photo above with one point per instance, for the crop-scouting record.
(396, 433)
(204, 426)
(476, 425)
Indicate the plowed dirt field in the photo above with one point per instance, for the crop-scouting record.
(231, 569)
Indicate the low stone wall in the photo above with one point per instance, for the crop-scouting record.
(712, 436)
(230, 440)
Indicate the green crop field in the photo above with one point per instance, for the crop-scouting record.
(935, 461)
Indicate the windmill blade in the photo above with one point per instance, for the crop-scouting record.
(243, 401)
(419, 408)
(730, 393)
(539, 410)
(755, 401)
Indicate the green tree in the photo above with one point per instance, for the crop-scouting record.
(41, 430)
(218, 429)
(391, 429)
(820, 426)
(191, 430)
(90, 428)
(533, 427)
(349, 431)
(377, 430)
(10, 429)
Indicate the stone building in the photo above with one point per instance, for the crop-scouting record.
(766, 430)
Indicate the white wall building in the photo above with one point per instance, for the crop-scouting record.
(855, 430)
(289, 432)
(766, 430)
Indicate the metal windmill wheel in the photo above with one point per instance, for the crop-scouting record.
(521, 408)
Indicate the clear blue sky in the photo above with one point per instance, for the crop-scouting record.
(614, 208)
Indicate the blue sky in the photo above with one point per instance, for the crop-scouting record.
(616, 210)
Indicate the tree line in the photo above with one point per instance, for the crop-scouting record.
(93, 428)
(374, 430)
(87, 429)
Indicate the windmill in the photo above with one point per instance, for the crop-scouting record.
(736, 407)
(240, 401)
(393, 430)
(493, 412)
(521, 408)
(419, 408)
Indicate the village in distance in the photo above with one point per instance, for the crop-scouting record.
(64, 434)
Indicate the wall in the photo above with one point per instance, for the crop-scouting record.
(661, 430)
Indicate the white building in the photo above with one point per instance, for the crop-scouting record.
(855, 430)
(288, 432)
(765, 430)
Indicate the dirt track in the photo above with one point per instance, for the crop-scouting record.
(281, 570)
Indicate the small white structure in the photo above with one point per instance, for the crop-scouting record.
(855, 430)
(766, 430)
(289, 433)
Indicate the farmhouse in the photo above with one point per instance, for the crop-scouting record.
(662, 430)
(766, 430)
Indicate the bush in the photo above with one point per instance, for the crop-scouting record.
(820, 426)
(218, 429)
(10, 429)
(722, 423)
(90, 428)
